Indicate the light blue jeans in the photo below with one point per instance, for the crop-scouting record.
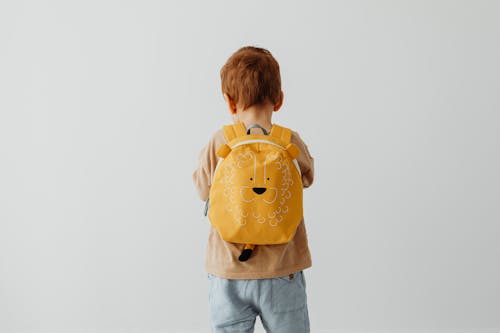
(280, 302)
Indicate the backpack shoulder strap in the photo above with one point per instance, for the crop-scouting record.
(282, 133)
(285, 135)
(233, 131)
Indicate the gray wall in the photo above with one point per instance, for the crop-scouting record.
(105, 104)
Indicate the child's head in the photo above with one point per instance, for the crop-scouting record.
(251, 77)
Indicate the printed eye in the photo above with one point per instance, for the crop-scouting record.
(268, 178)
(251, 178)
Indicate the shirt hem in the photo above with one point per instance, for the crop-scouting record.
(257, 275)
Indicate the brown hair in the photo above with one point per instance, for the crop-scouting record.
(251, 76)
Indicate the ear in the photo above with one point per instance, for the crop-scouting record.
(223, 151)
(292, 150)
(278, 105)
(230, 103)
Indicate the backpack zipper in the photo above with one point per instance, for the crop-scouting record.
(257, 140)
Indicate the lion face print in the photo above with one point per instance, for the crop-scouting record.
(257, 186)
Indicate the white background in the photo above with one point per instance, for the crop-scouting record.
(104, 106)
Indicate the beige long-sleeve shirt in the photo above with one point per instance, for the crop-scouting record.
(267, 261)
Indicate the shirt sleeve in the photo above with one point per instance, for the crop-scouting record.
(207, 161)
(305, 160)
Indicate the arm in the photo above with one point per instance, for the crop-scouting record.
(305, 160)
(207, 161)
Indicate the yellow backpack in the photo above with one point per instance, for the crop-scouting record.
(256, 192)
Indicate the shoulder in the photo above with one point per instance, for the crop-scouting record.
(218, 136)
(216, 139)
(296, 137)
(298, 140)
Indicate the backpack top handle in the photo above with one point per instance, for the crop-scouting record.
(256, 126)
(239, 130)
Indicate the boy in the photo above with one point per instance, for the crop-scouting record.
(272, 286)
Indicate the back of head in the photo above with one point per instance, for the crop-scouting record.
(251, 76)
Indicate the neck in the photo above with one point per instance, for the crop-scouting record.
(260, 115)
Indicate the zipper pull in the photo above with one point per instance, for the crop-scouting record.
(206, 207)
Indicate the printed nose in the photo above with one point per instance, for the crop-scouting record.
(259, 190)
